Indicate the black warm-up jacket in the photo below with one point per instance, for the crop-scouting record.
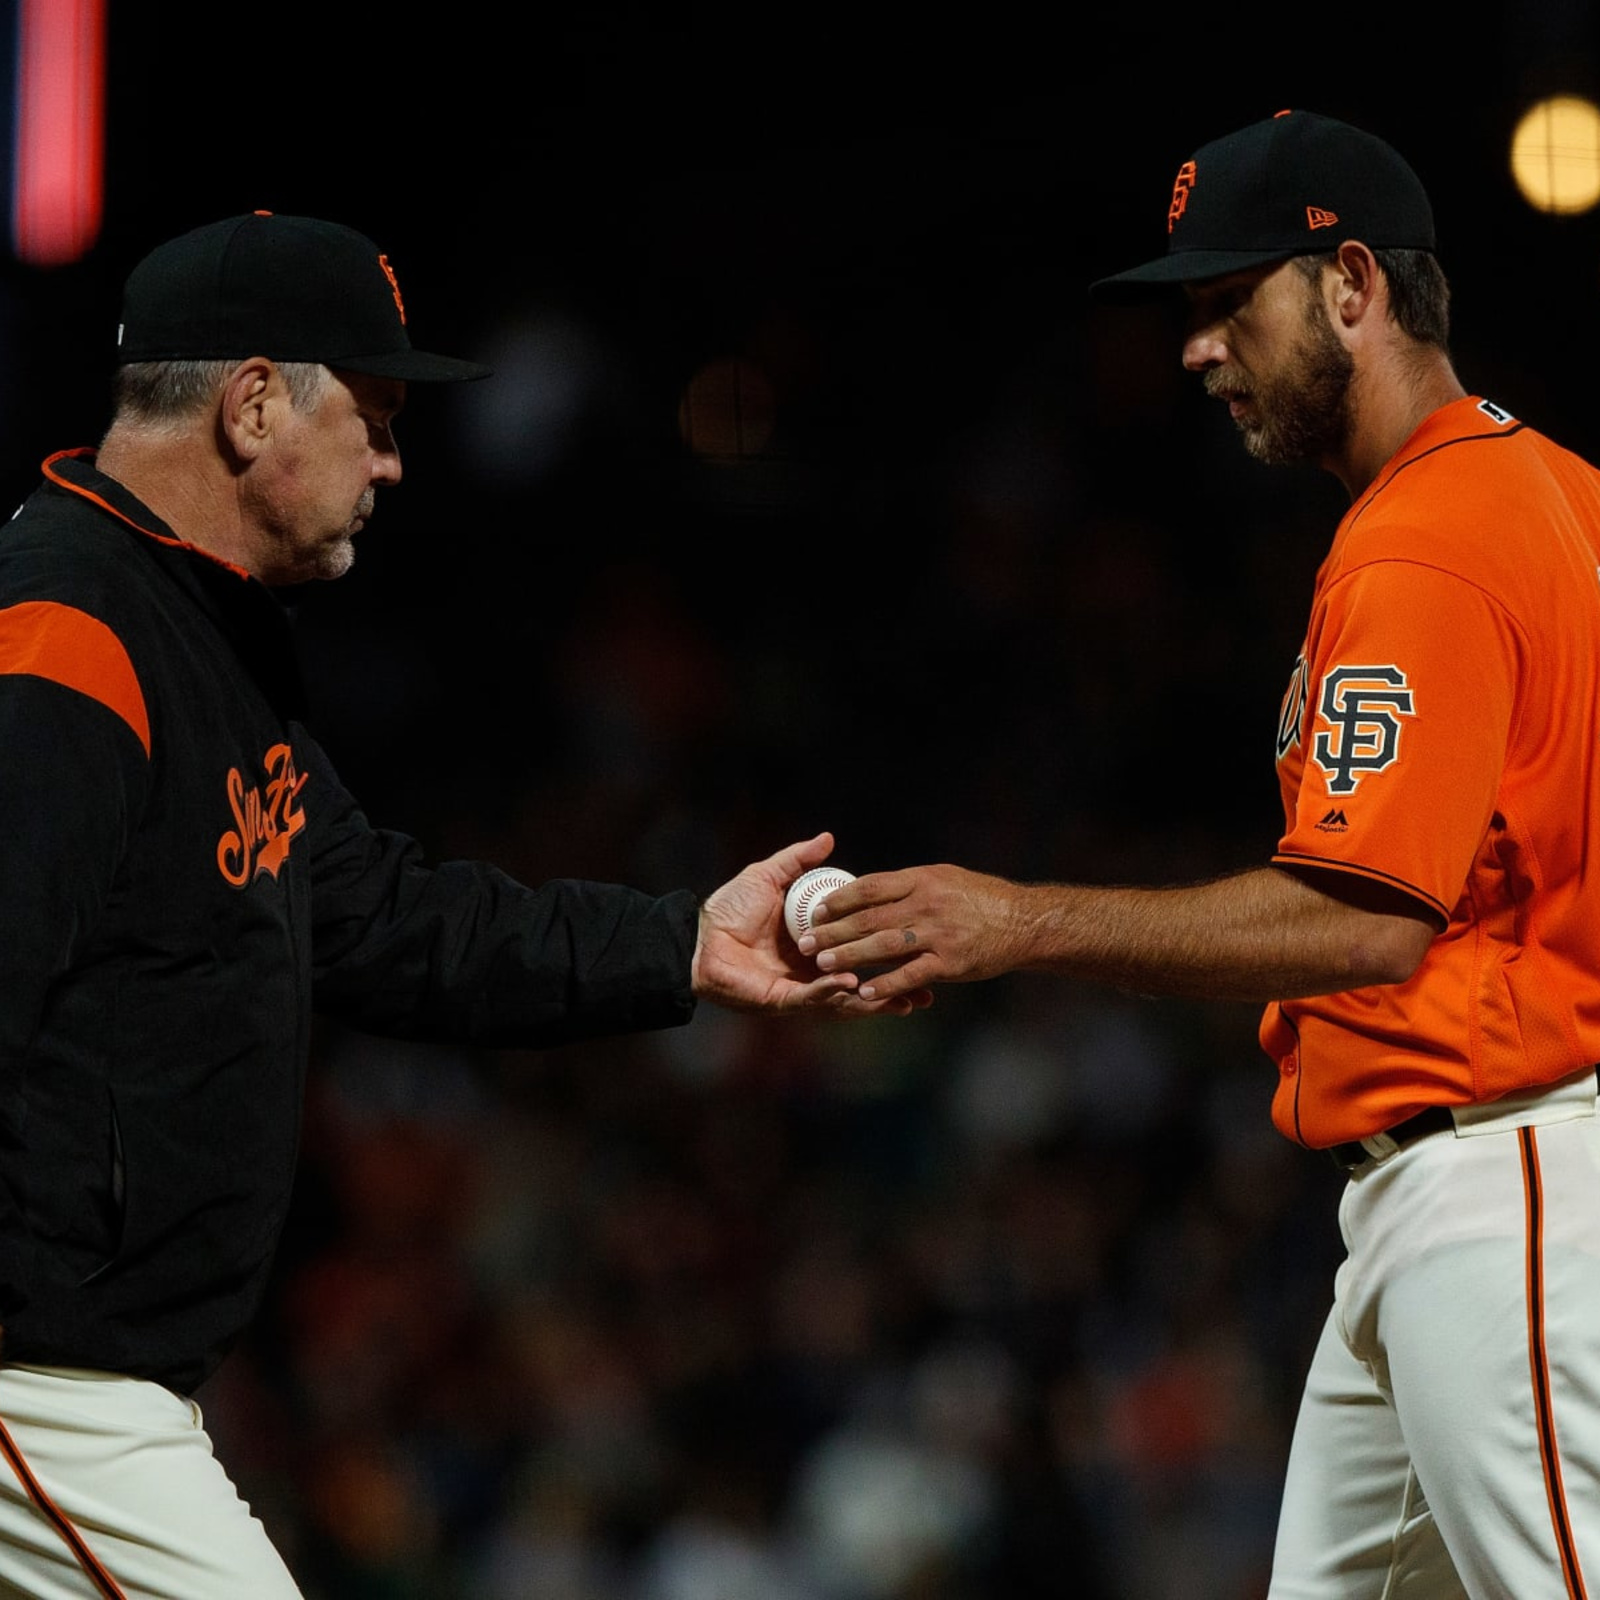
(182, 880)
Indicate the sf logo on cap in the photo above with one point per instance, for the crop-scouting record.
(1362, 707)
(394, 287)
(1181, 186)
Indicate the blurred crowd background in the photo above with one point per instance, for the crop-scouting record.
(809, 492)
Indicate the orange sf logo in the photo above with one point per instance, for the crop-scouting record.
(265, 818)
(394, 287)
(1180, 194)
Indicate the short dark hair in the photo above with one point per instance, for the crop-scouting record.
(1419, 292)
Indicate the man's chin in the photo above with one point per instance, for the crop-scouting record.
(330, 561)
(336, 559)
(1259, 446)
(1269, 445)
(1256, 439)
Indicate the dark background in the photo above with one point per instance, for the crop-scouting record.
(894, 219)
(1012, 1298)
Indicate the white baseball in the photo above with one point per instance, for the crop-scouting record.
(804, 893)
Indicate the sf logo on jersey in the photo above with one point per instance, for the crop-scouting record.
(1359, 712)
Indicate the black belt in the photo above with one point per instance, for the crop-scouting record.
(1435, 1119)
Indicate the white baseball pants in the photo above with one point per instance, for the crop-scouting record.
(109, 1491)
(1448, 1442)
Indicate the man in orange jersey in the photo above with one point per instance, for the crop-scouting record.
(1426, 935)
(183, 880)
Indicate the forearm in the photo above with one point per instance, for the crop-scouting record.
(460, 951)
(1259, 935)
(1264, 934)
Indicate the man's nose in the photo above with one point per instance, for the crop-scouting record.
(1203, 349)
(386, 461)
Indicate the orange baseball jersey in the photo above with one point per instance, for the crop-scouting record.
(1441, 734)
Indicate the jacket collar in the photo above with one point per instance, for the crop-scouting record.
(76, 472)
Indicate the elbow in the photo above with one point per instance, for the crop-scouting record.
(1390, 951)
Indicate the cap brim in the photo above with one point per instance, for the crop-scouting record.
(1178, 268)
(413, 366)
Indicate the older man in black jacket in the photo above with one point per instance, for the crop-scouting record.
(183, 878)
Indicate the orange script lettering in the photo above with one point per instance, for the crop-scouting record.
(266, 817)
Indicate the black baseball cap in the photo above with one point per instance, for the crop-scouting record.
(288, 288)
(1294, 184)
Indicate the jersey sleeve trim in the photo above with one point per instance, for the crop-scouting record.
(45, 639)
(1288, 858)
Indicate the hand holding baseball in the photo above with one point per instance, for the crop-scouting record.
(805, 892)
(745, 959)
(905, 930)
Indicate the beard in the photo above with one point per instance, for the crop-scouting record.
(335, 559)
(1302, 412)
(337, 556)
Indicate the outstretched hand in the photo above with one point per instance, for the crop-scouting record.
(916, 927)
(744, 958)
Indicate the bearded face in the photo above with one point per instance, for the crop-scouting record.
(1295, 405)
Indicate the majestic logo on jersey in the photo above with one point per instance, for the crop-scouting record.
(1181, 186)
(1293, 710)
(1334, 821)
(266, 817)
(1362, 707)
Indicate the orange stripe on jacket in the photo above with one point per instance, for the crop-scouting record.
(43, 639)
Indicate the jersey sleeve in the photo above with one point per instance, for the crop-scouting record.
(75, 733)
(1410, 692)
(462, 951)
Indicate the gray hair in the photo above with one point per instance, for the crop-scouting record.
(162, 392)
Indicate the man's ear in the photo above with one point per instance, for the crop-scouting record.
(248, 408)
(1353, 284)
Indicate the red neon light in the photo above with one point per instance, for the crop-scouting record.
(58, 181)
